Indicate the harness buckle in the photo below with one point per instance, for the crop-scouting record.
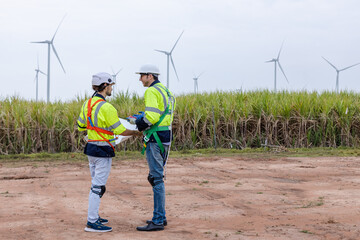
(146, 139)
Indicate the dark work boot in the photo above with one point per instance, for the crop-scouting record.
(151, 227)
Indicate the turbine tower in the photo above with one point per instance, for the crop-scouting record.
(338, 72)
(169, 57)
(114, 78)
(196, 87)
(51, 43)
(37, 70)
(277, 62)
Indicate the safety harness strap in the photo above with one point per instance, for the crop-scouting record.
(91, 126)
(153, 131)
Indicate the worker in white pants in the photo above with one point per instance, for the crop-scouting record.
(100, 171)
(100, 119)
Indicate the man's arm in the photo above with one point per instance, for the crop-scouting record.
(129, 132)
(118, 128)
(81, 122)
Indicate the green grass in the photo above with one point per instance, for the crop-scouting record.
(266, 153)
(317, 203)
(238, 184)
(203, 182)
(306, 231)
(258, 153)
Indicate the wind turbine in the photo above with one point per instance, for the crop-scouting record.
(51, 43)
(277, 62)
(338, 72)
(114, 78)
(196, 87)
(169, 57)
(37, 70)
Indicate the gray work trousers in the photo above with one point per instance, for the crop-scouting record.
(100, 171)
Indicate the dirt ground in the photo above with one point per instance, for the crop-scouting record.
(207, 198)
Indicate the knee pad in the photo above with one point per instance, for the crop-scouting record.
(103, 190)
(151, 180)
(155, 181)
(99, 190)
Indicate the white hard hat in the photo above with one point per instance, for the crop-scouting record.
(102, 77)
(149, 68)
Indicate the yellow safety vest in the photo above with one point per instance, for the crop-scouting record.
(104, 121)
(159, 106)
(156, 100)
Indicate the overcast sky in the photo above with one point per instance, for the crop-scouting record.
(229, 40)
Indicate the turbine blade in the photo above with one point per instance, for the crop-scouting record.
(199, 75)
(330, 63)
(280, 49)
(270, 61)
(118, 72)
(113, 70)
(58, 28)
(283, 71)
(176, 42)
(40, 42)
(349, 67)
(42, 72)
(172, 62)
(162, 51)
(52, 45)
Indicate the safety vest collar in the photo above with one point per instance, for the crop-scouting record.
(154, 82)
(100, 96)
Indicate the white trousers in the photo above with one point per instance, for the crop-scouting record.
(99, 170)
